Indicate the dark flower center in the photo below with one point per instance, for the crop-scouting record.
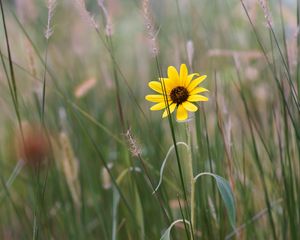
(179, 95)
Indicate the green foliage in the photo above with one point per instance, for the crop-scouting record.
(226, 194)
(86, 86)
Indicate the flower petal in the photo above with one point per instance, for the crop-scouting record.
(168, 84)
(156, 86)
(158, 106)
(183, 74)
(190, 106)
(198, 90)
(196, 82)
(189, 79)
(155, 98)
(173, 75)
(172, 108)
(197, 98)
(181, 114)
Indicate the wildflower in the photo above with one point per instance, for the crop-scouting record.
(179, 91)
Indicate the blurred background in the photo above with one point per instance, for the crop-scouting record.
(81, 71)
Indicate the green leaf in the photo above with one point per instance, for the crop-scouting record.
(162, 168)
(226, 194)
(115, 204)
(166, 235)
(139, 213)
(116, 199)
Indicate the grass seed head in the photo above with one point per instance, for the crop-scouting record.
(70, 168)
(32, 144)
(133, 146)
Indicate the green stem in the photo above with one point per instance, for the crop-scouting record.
(192, 181)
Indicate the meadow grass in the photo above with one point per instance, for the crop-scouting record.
(83, 157)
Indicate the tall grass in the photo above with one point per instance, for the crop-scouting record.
(103, 178)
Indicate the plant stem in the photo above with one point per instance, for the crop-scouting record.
(191, 175)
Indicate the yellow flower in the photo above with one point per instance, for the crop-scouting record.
(179, 91)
